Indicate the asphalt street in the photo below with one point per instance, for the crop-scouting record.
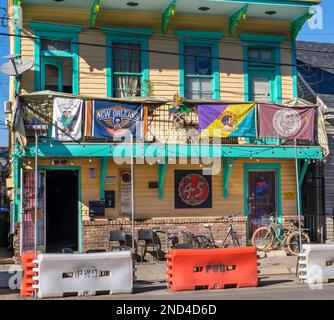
(278, 287)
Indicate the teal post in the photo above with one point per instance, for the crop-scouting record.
(227, 175)
(17, 164)
(162, 178)
(103, 173)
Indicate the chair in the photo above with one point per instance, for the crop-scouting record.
(124, 240)
(150, 239)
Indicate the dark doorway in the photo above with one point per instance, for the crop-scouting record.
(61, 210)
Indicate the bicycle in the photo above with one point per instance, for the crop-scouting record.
(212, 243)
(268, 237)
(202, 241)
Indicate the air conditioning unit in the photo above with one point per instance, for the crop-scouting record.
(7, 122)
(7, 107)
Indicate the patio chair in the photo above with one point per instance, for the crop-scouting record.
(150, 239)
(123, 240)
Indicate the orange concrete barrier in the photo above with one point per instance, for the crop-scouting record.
(194, 269)
(27, 259)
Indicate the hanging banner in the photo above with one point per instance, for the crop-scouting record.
(105, 119)
(286, 122)
(125, 191)
(227, 120)
(67, 117)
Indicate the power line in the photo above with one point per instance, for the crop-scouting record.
(269, 63)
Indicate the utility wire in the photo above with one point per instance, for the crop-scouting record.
(266, 63)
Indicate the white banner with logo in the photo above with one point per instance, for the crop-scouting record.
(67, 119)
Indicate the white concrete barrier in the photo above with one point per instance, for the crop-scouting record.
(84, 274)
(316, 263)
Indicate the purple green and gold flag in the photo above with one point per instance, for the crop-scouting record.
(286, 122)
(227, 120)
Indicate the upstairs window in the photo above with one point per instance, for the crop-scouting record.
(263, 55)
(56, 57)
(198, 72)
(127, 62)
(127, 75)
(261, 73)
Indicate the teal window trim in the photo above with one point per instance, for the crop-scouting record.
(264, 167)
(133, 36)
(73, 168)
(56, 32)
(210, 39)
(264, 41)
(56, 63)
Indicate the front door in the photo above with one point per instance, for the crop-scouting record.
(262, 198)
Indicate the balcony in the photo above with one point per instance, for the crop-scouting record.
(167, 135)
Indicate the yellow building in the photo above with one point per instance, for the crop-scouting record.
(150, 53)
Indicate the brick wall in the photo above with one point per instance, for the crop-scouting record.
(95, 234)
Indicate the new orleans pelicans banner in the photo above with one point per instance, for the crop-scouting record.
(67, 114)
(286, 122)
(105, 119)
(227, 120)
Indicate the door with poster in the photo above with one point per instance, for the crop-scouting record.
(262, 198)
(28, 212)
(125, 191)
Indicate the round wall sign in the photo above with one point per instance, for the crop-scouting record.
(193, 189)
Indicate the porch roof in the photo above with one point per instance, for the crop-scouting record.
(168, 152)
(284, 10)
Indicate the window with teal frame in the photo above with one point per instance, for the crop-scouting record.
(262, 71)
(127, 61)
(57, 53)
(199, 64)
(262, 54)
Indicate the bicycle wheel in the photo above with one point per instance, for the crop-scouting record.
(262, 238)
(203, 241)
(293, 242)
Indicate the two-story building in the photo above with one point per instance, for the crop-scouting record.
(168, 57)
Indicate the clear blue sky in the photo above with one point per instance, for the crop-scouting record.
(324, 35)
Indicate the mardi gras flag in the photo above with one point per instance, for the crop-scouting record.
(227, 120)
(286, 122)
(105, 119)
(67, 114)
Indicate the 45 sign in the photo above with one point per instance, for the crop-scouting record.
(192, 189)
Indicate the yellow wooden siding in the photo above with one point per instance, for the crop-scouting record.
(231, 72)
(164, 68)
(286, 71)
(27, 51)
(93, 79)
(147, 203)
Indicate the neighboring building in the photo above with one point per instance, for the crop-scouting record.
(150, 53)
(316, 84)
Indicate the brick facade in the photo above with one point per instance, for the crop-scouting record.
(95, 234)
